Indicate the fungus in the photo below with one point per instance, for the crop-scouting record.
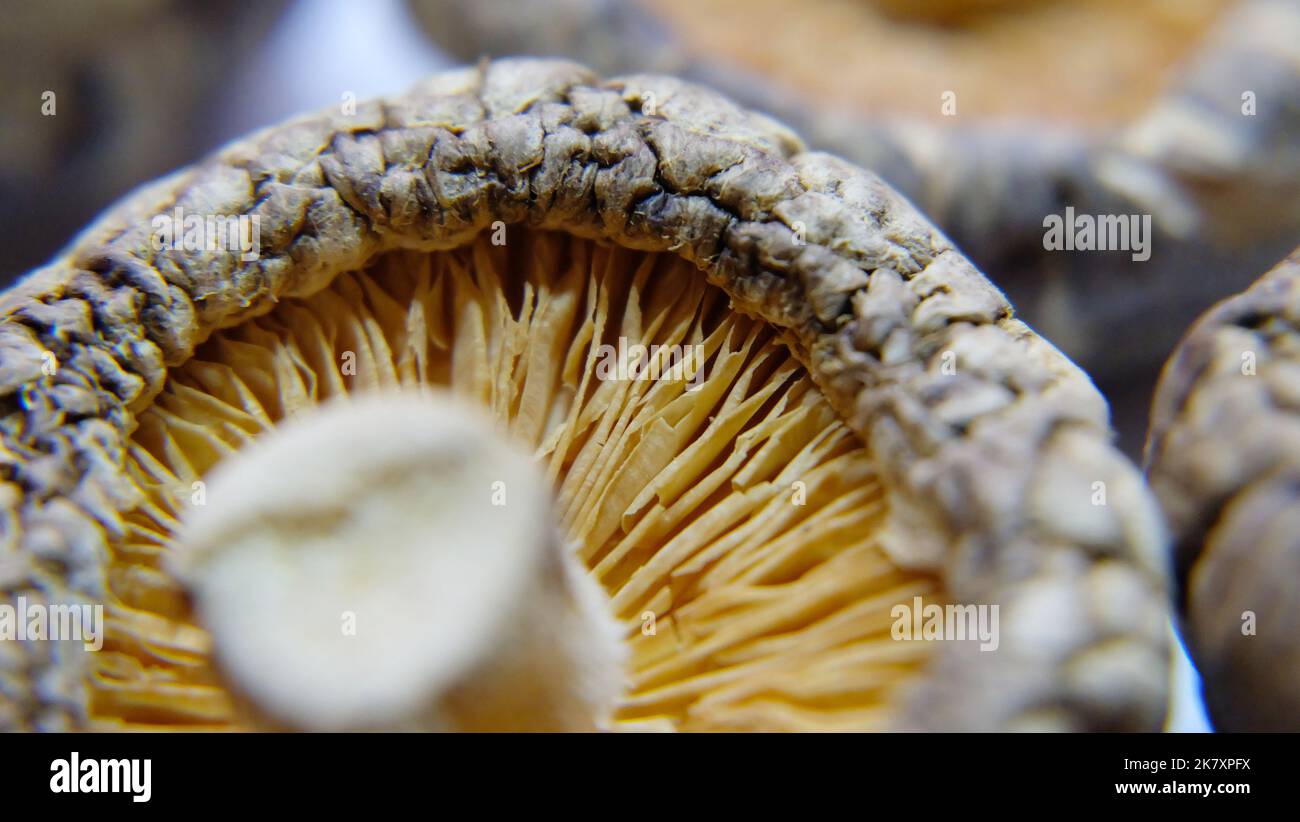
(871, 426)
(1223, 457)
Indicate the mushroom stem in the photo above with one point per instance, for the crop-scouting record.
(391, 563)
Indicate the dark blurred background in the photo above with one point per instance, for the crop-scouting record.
(142, 87)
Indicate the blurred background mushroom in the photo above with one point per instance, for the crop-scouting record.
(1223, 455)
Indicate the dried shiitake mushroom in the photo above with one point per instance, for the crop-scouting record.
(866, 424)
(1223, 455)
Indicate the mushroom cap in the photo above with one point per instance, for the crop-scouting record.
(990, 446)
(1158, 127)
(1223, 457)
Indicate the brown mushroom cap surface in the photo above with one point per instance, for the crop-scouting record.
(988, 448)
(1184, 111)
(1223, 456)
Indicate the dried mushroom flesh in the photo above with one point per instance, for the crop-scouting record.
(938, 446)
(1223, 456)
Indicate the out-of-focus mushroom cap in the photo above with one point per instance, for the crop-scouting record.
(1223, 456)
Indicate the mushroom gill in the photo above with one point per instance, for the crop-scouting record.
(731, 520)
